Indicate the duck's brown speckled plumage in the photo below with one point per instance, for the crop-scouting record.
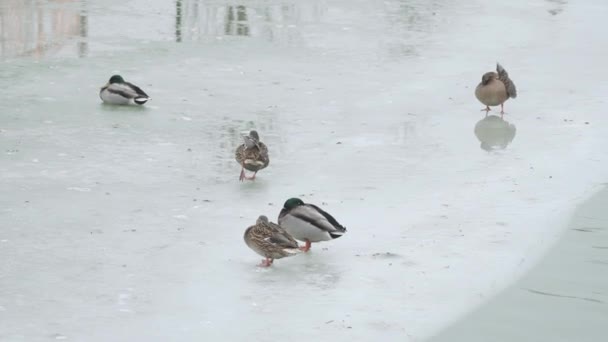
(495, 88)
(253, 159)
(252, 155)
(270, 241)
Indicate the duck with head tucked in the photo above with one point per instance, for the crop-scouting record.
(270, 241)
(309, 223)
(495, 88)
(252, 155)
(119, 92)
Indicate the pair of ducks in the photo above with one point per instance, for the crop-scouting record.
(495, 88)
(297, 220)
(252, 155)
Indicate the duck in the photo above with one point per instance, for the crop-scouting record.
(309, 223)
(119, 92)
(495, 88)
(270, 241)
(252, 155)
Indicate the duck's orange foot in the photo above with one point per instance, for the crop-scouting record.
(266, 262)
(306, 247)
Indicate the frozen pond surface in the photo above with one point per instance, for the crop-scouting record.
(563, 298)
(126, 224)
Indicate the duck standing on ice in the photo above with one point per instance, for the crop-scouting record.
(252, 155)
(309, 223)
(495, 88)
(270, 241)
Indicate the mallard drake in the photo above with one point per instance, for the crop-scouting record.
(252, 155)
(270, 241)
(495, 88)
(309, 223)
(119, 92)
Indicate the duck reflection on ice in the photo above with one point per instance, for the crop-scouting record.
(494, 133)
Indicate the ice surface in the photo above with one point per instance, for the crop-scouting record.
(562, 298)
(126, 224)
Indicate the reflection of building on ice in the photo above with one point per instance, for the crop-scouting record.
(236, 21)
(198, 20)
(43, 29)
(494, 133)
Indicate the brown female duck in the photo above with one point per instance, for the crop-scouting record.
(252, 155)
(495, 88)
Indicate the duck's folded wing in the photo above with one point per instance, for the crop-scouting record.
(122, 90)
(329, 218)
(510, 88)
(239, 154)
(263, 148)
(264, 153)
(314, 215)
(280, 237)
(136, 89)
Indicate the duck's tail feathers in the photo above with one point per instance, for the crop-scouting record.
(141, 100)
(503, 75)
(337, 234)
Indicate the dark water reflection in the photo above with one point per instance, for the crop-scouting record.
(494, 133)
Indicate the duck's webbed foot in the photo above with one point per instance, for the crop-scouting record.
(306, 247)
(266, 262)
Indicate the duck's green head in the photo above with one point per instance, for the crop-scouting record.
(116, 79)
(292, 203)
